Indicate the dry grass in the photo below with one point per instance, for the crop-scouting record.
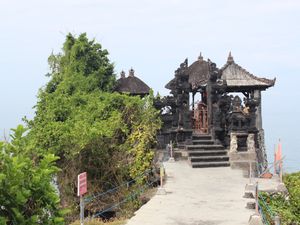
(100, 222)
(145, 197)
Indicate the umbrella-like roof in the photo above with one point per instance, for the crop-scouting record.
(131, 84)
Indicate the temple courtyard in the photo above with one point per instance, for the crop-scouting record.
(207, 196)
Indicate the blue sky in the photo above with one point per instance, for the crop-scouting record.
(154, 37)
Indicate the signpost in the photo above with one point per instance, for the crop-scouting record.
(81, 190)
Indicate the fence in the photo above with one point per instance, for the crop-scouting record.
(129, 197)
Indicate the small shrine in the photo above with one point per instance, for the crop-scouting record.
(215, 114)
(131, 84)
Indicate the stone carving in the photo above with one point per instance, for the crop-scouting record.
(250, 143)
(227, 119)
(233, 143)
(262, 153)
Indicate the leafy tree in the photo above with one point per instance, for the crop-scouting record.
(91, 128)
(26, 193)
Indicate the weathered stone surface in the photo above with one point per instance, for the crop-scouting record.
(282, 188)
(209, 196)
(230, 120)
(255, 220)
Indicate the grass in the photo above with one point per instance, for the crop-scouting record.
(125, 214)
(120, 221)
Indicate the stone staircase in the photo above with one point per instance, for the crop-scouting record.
(205, 153)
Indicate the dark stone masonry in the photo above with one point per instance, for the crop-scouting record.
(213, 114)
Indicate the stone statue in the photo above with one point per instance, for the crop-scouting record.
(250, 143)
(233, 143)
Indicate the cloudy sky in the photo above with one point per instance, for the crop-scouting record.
(154, 37)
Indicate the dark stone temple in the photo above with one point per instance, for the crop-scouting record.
(213, 115)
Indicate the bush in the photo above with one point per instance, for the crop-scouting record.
(27, 195)
(287, 207)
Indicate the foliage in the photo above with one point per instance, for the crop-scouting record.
(287, 207)
(100, 222)
(91, 128)
(26, 193)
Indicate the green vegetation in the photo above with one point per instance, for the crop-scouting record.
(80, 124)
(286, 206)
(26, 193)
(100, 222)
(89, 127)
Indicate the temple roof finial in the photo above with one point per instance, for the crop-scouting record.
(230, 58)
(200, 58)
(122, 74)
(131, 72)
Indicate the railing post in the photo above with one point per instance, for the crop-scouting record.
(256, 198)
(171, 159)
(81, 210)
(161, 173)
(250, 172)
(281, 172)
(161, 190)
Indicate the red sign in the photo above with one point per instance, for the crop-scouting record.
(81, 184)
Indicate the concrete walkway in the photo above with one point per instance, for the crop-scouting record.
(208, 196)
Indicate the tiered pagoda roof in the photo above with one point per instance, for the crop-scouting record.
(236, 77)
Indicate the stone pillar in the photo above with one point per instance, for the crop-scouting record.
(250, 143)
(257, 95)
(233, 143)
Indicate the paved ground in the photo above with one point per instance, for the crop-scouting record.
(209, 196)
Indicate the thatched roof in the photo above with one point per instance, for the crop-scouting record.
(131, 84)
(238, 77)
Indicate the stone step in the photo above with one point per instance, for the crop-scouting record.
(204, 147)
(207, 153)
(209, 164)
(203, 142)
(209, 159)
(202, 137)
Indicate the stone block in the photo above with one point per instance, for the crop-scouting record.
(255, 220)
(161, 191)
(251, 205)
(171, 160)
(281, 188)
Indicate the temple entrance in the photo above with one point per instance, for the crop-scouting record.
(200, 119)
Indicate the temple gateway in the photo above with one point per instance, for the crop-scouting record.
(213, 115)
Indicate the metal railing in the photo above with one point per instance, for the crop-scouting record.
(132, 195)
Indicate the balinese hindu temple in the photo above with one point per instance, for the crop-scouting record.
(213, 115)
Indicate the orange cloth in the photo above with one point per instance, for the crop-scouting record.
(278, 154)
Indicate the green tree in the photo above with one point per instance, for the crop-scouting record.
(27, 195)
(91, 128)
